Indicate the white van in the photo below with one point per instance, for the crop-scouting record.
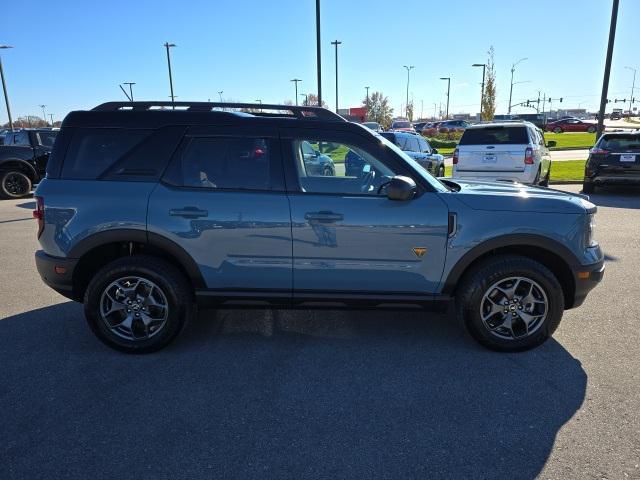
(512, 151)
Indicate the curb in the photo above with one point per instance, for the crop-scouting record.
(565, 182)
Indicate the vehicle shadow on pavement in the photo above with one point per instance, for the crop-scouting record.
(254, 394)
(619, 197)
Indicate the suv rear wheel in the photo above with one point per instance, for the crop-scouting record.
(510, 303)
(138, 303)
(14, 184)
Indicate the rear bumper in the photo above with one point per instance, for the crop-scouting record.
(57, 273)
(525, 176)
(586, 277)
(632, 179)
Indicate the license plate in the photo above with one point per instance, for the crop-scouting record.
(489, 159)
(627, 158)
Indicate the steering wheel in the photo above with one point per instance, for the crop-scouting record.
(367, 181)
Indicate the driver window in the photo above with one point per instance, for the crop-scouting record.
(339, 168)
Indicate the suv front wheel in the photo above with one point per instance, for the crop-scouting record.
(14, 184)
(138, 303)
(510, 303)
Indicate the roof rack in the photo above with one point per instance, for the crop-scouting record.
(258, 109)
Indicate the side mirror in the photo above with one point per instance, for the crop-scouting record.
(434, 150)
(401, 188)
(551, 143)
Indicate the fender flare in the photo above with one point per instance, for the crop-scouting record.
(158, 242)
(24, 163)
(512, 240)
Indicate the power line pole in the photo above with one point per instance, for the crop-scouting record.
(4, 88)
(513, 69)
(168, 46)
(406, 106)
(607, 67)
(448, 79)
(336, 43)
(367, 110)
(633, 86)
(484, 67)
(318, 49)
(130, 89)
(51, 117)
(44, 115)
(296, 80)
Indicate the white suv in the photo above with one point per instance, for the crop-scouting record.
(512, 151)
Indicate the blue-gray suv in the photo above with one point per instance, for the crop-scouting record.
(152, 209)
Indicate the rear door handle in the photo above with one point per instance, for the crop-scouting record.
(188, 212)
(324, 216)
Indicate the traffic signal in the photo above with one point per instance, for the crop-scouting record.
(560, 99)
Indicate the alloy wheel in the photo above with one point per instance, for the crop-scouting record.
(16, 184)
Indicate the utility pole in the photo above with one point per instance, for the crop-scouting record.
(435, 105)
(306, 99)
(318, 49)
(421, 108)
(131, 84)
(633, 86)
(607, 67)
(484, 67)
(336, 43)
(513, 69)
(367, 110)
(448, 79)
(296, 80)
(168, 45)
(257, 100)
(51, 117)
(406, 107)
(44, 115)
(220, 95)
(4, 88)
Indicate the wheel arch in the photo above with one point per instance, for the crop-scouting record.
(101, 248)
(21, 165)
(550, 253)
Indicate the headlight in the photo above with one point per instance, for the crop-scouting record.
(591, 225)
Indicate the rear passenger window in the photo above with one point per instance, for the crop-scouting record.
(93, 150)
(227, 163)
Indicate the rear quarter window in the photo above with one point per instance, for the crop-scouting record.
(495, 136)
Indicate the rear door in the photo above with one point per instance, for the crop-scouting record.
(493, 148)
(222, 200)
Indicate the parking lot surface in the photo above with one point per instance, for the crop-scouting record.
(322, 394)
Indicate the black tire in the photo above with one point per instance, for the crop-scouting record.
(173, 284)
(441, 171)
(588, 187)
(545, 182)
(14, 184)
(483, 276)
(557, 130)
(591, 129)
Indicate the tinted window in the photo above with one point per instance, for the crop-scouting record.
(401, 125)
(46, 139)
(227, 163)
(412, 144)
(620, 142)
(424, 146)
(22, 138)
(93, 151)
(495, 136)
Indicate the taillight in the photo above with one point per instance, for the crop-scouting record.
(598, 151)
(38, 214)
(455, 156)
(528, 156)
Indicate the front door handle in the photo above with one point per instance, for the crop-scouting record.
(188, 212)
(324, 216)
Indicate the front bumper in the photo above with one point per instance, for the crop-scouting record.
(586, 277)
(57, 273)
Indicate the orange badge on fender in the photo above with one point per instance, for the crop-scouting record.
(419, 251)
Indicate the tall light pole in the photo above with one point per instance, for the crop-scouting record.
(296, 80)
(168, 45)
(220, 95)
(448, 79)
(131, 84)
(44, 115)
(367, 104)
(406, 107)
(513, 69)
(336, 43)
(633, 86)
(607, 67)
(484, 67)
(318, 49)
(4, 88)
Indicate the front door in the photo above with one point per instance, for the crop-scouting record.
(348, 237)
(222, 200)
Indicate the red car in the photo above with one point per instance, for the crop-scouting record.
(570, 125)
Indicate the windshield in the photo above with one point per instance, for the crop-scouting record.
(371, 125)
(434, 182)
(400, 125)
(46, 139)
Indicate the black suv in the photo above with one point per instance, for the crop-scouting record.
(23, 160)
(614, 160)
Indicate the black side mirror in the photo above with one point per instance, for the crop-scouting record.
(434, 150)
(401, 188)
(551, 143)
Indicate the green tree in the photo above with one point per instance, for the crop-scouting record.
(489, 97)
(409, 110)
(379, 109)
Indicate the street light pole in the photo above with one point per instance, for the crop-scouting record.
(220, 95)
(633, 86)
(44, 115)
(367, 110)
(168, 45)
(607, 67)
(448, 79)
(306, 98)
(406, 106)
(513, 69)
(318, 49)
(296, 80)
(484, 67)
(336, 43)
(4, 89)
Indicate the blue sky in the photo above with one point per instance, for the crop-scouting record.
(73, 54)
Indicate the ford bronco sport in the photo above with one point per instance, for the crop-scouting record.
(151, 209)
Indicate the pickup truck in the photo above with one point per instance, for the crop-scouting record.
(23, 160)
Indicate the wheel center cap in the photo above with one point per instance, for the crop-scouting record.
(512, 307)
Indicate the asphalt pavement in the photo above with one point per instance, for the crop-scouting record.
(320, 394)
